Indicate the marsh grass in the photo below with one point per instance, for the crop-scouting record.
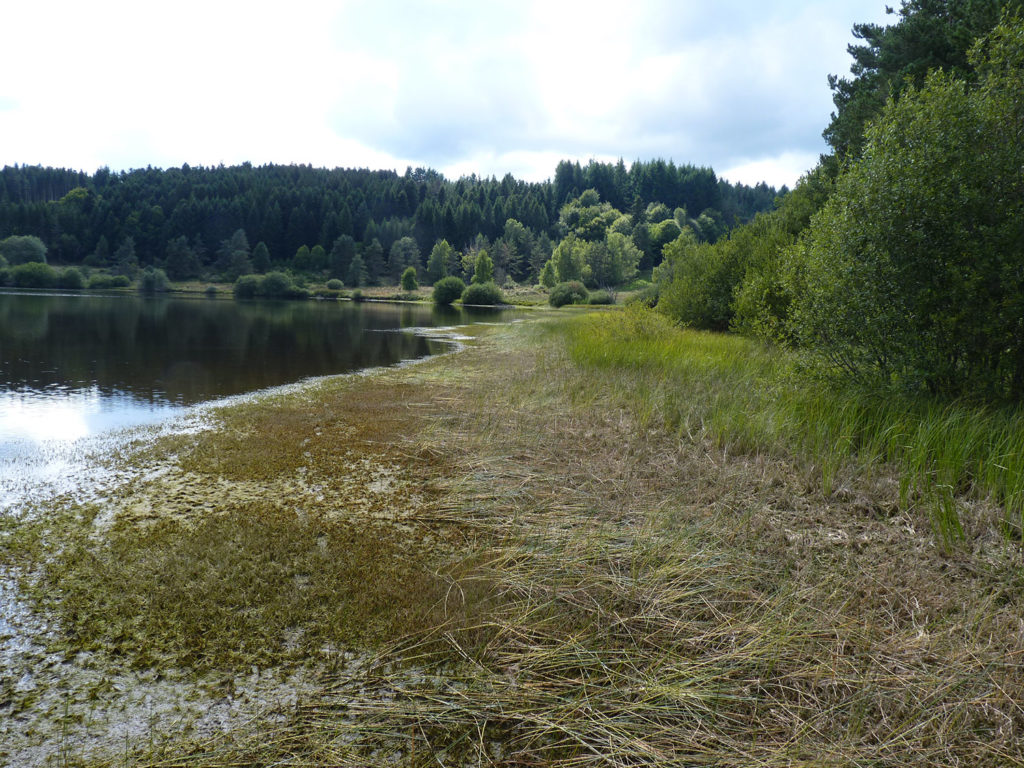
(751, 398)
(252, 585)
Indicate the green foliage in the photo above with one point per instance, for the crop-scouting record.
(586, 217)
(703, 278)
(441, 255)
(153, 280)
(302, 261)
(101, 281)
(358, 275)
(126, 263)
(409, 279)
(601, 297)
(233, 256)
(910, 275)
(334, 284)
(261, 257)
(318, 258)
(483, 269)
(340, 258)
(571, 292)
(20, 249)
(928, 35)
(273, 285)
(247, 287)
(404, 253)
(180, 261)
(278, 285)
(482, 294)
(71, 279)
(548, 278)
(567, 260)
(33, 274)
(447, 290)
(619, 260)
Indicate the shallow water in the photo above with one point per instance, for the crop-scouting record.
(75, 369)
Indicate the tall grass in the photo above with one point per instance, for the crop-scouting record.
(747, 397)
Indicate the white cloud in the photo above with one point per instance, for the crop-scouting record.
(460, 86)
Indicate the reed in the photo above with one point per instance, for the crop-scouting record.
(752, 398)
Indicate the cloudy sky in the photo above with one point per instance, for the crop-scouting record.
(485, 87)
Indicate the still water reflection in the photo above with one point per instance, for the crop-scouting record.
(74, 366)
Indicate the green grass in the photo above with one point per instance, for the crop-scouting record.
(748, 397)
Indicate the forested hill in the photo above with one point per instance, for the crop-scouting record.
(86, 218)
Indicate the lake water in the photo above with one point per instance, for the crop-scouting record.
(77, 366)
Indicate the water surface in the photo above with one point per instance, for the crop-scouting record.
(77, 366)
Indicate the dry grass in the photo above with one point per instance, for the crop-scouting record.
(610, 592)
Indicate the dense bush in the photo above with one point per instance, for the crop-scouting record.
(334, 284)
(247, 287)
(482, 293)
(704, 276)
(911, 273)
(22, 249)
(153, 280)
(33, 274)
(409, 279)
(71, 279)
(278, 285)
(447, 290)
(101, 281)
(273, 285)
(601, 297)
(571, 292)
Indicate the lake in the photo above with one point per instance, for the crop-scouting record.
(76, 366)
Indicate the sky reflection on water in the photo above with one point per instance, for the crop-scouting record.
(78, 367)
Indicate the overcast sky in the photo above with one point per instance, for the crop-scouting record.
(485, 87)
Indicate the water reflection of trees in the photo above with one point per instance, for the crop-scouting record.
(188, 350)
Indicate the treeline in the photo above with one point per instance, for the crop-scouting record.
(226, 221)
(898, 262)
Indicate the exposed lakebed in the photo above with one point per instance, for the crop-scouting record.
(86, 379)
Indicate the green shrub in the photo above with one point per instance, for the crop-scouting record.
(571, 292)
(647, 296)
(246, 287)
(5, 275)
(276, 285)
(72, 279)
(357, 295)
(23, 249)
(447, 290)
(34, 274)
(153, 280)
(910, 275)
(108, 281)
(601, 297)
(334, 284)
(211, 290)
(409, 279)
(482, 293)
